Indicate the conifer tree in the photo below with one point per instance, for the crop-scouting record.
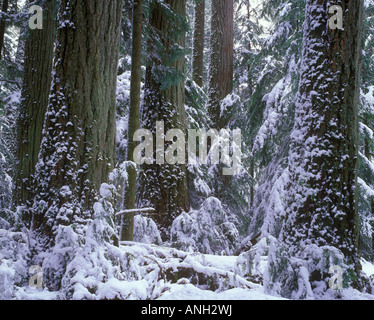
(198, 42)
(221, 59)
(269, 113)
(322, 192)
(78, 147)
(366, 125)
(37, 78)
(4, 11)
(164, 186)
(134, 118)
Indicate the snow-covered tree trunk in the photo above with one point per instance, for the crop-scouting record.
(78, 147)
(322, 192)
(164, 186)
(37, 78)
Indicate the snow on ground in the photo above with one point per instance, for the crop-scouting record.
(164, 273)
(367, 268)
(184, 276)
(190, 292)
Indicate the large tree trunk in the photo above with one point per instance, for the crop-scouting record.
(36, 87)
(4, 9)
(78, 147)
(198, 43)
(221, 59)
(164, 186)
(324, 147)
(134, 118)
(221, 73)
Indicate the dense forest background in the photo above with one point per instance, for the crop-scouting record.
(97, 225)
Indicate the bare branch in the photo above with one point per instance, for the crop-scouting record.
(130, 211)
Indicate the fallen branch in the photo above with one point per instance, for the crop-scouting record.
(11, 81)
(134, 211)
(172, 265)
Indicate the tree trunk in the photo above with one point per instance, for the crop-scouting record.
(198, 43)
(134, 119)
(249, 79)
(36, 87)
(221, 59)
(4, 9)
(78, 147)
(324, 147)
(164, 186)
(221, 73)
(252, 173)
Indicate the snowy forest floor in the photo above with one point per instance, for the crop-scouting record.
(164, 273)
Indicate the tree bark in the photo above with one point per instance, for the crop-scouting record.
(134, 119)
(78, 147)
(36, 87)
(221, 73)
(324, 146)
(164, 186)
(221, 59)
(198, 43)
(4, 9)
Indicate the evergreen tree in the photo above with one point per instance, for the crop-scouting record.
(4, 11)
(78, 146)
(134, 118)
(322, 192)
(221, 61)
(164, 186)
(366, 125)
(37, 78)
(269, 115)
(198, 43)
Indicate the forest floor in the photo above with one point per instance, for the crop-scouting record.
(164, 273)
